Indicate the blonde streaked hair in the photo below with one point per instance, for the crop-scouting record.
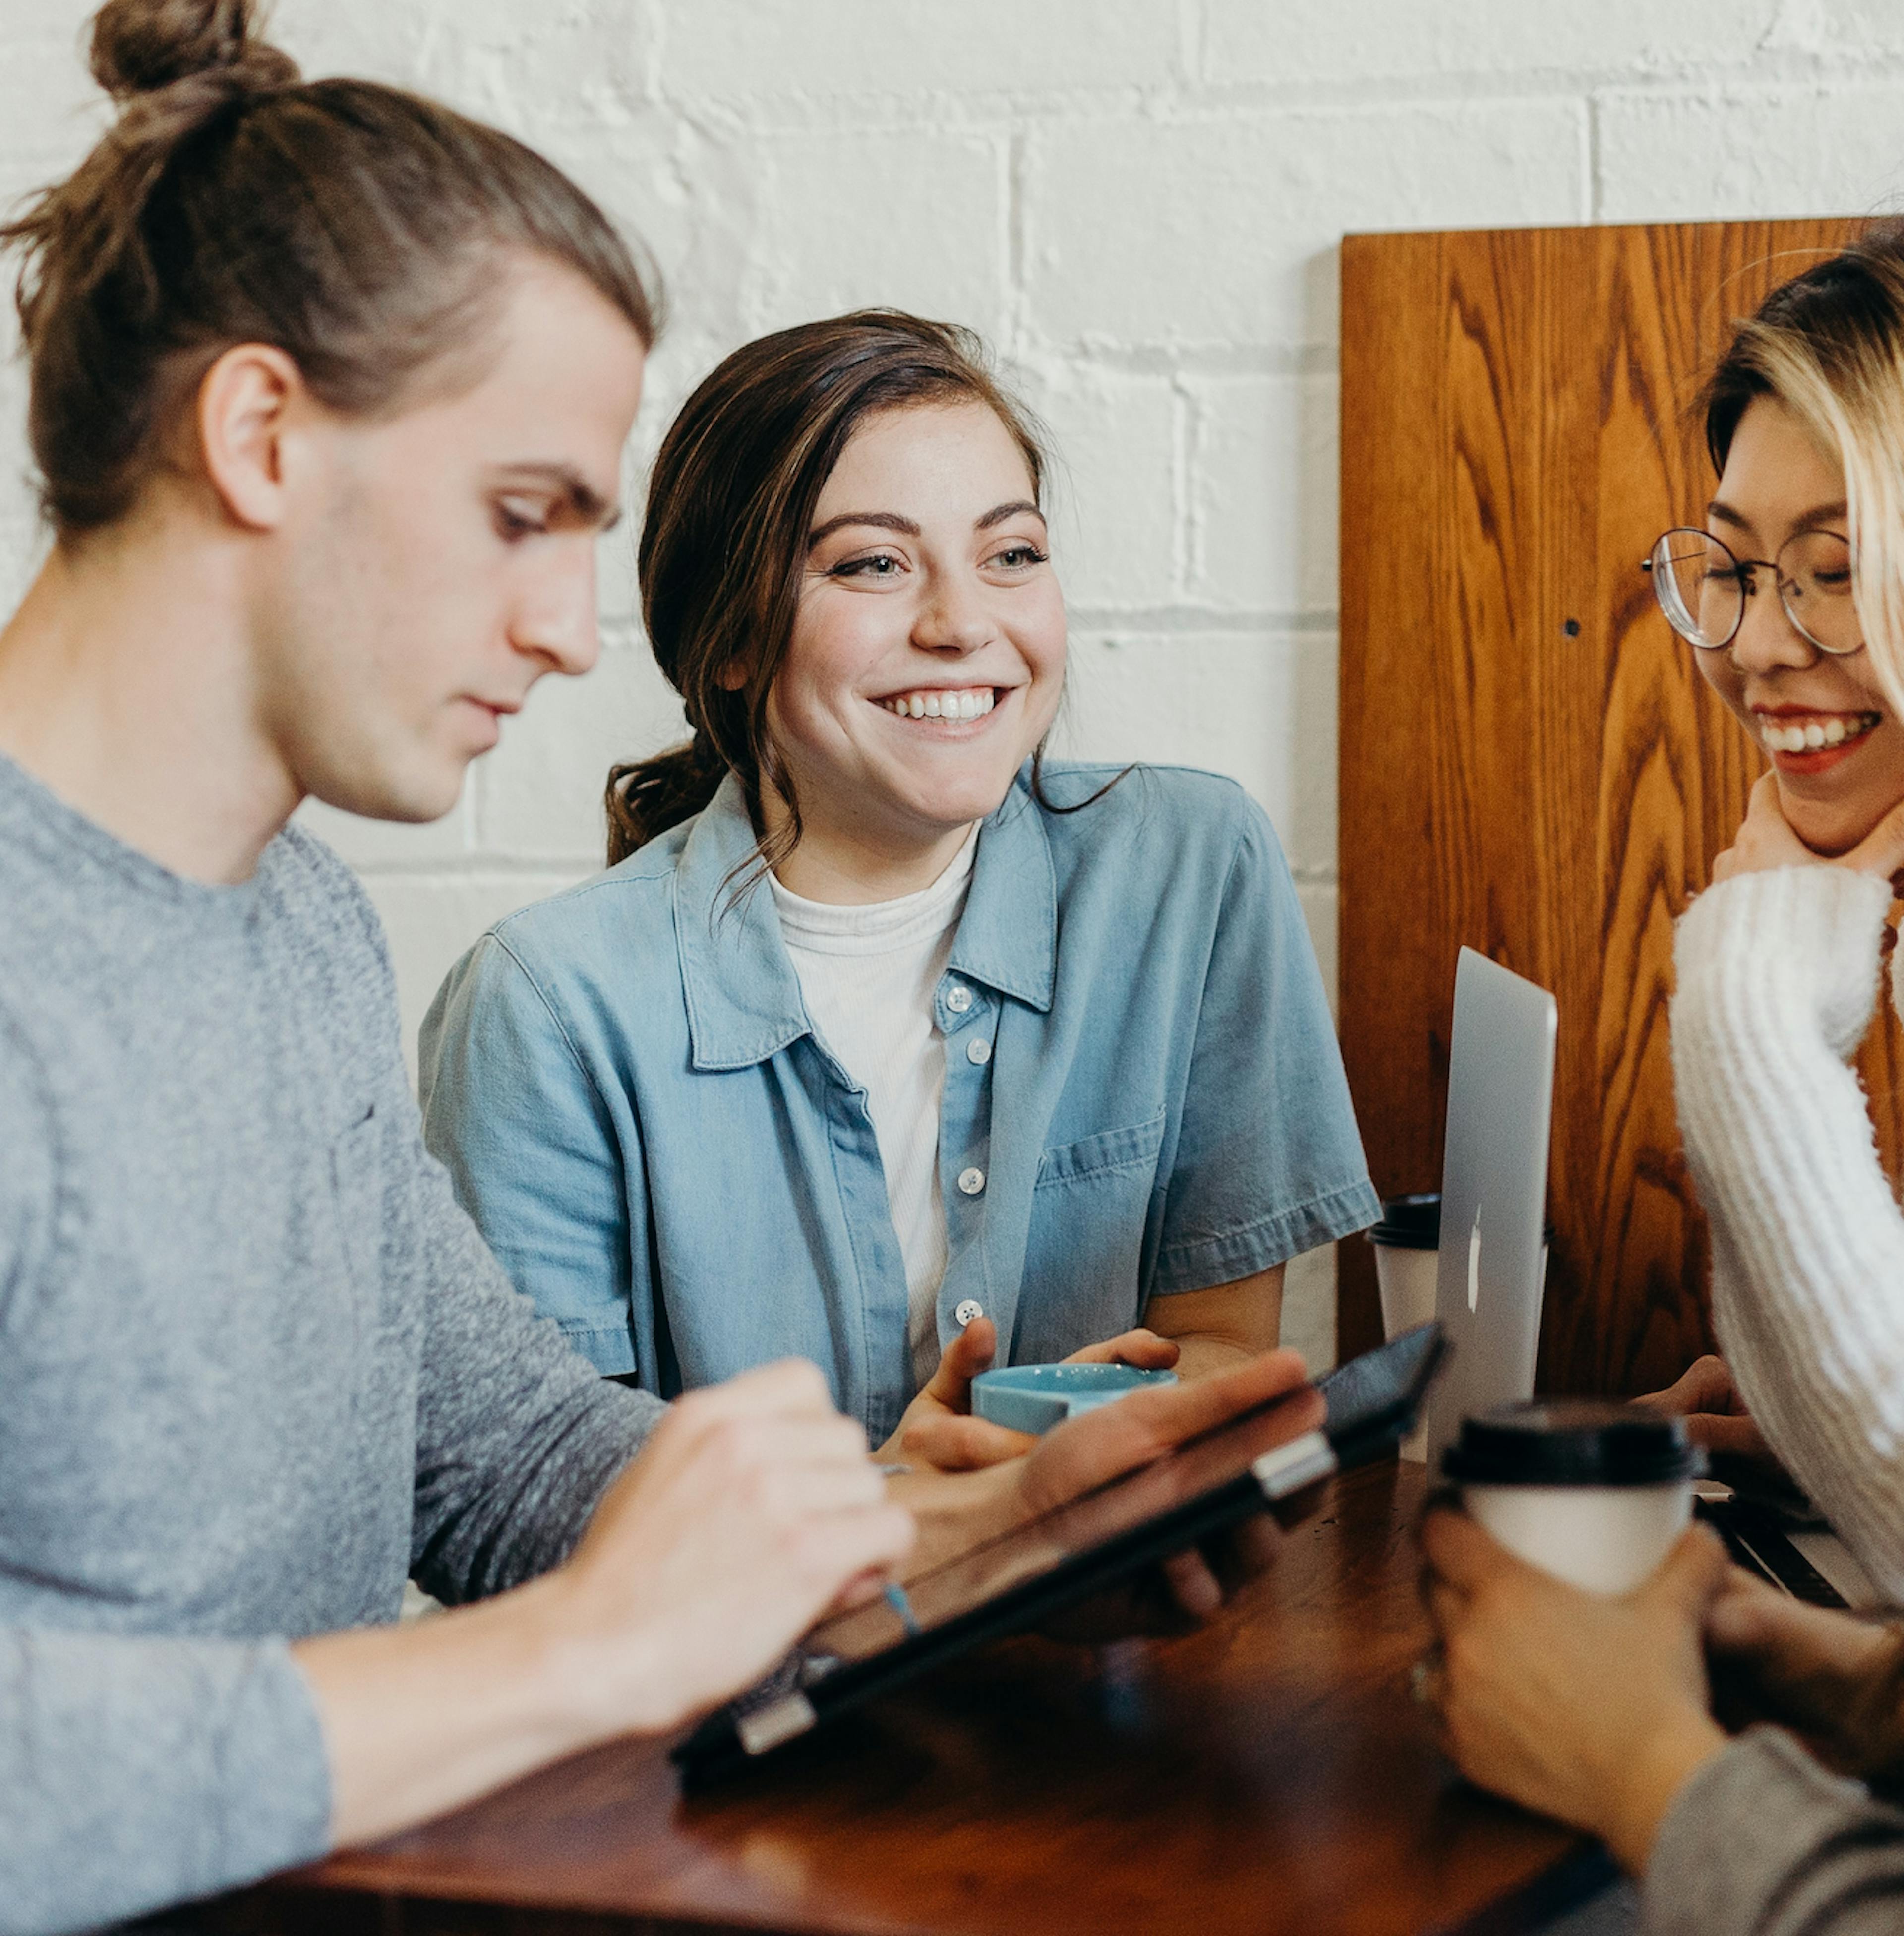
(1830, 345)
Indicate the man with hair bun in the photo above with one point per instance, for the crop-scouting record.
(329, 390)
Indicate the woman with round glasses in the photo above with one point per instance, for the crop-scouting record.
(1596, 1710)
(1764, 595)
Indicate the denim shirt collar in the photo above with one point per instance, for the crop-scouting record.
(743, 996)
(1008, 938)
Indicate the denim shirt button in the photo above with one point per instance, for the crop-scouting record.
(968, 1308)
(958, 998)
(978, 1050)
(971, 1181)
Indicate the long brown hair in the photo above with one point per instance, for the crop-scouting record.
(352, 225)
(730, 504)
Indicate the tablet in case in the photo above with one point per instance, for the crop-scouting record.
(1017, 1579)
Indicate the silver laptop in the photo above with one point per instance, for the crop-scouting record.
(1494, 1193)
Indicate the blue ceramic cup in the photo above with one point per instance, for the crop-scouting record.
(1034, 1397)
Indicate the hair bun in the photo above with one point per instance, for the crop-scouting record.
(141, 46)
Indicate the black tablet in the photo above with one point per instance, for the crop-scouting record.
(1019, 1578)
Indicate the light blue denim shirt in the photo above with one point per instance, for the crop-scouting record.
(636, 1110)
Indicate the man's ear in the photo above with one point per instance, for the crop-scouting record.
(245, 401)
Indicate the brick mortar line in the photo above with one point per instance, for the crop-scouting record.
(883, 111)
(1189, 461)
(1192, 38)
(1179, 620)
(1596, 172)
(1849, 72)
(877, 112)
(1028, 355)
(1204, 360)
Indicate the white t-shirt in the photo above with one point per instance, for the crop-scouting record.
(869, 975)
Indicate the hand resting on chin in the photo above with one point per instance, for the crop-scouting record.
(1765, 840)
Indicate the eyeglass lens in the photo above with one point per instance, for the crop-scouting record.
(1702, 588)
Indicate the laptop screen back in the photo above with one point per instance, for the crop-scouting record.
(1493, 1192)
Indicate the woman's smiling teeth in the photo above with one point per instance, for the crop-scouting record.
(1822, 729)
(969, 702)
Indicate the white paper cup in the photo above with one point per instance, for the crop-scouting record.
(1406, 1262)
(1406, 1279)
(1607, 1539)
(1594, 1493)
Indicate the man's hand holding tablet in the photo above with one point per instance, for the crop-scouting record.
(753, 1510)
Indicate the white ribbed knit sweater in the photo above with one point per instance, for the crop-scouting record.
(1777, 978)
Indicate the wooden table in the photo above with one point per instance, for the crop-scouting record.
(1267, 1773)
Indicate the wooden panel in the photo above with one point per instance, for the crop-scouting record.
(1530, 763)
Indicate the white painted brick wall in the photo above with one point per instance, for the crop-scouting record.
(1138, 201)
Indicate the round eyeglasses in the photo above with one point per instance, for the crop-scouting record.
(1702, 587)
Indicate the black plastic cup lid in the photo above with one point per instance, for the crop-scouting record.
(1409, 1223)
(1563, 1441)
(1414, 1223)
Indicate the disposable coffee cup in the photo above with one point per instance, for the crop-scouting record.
(1593, 1493)
(1407, 1241)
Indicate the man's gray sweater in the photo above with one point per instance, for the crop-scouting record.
(256, 1366)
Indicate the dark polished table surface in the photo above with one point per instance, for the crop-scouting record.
(1267, 1773)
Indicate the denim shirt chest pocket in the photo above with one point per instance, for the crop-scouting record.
(1090, 1207)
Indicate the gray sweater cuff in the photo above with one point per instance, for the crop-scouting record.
(1762, 1842)
(135, 1772)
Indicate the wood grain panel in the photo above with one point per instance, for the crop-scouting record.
(1530, 763)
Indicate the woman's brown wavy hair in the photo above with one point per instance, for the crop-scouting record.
(723, 546)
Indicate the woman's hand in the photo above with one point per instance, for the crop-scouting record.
(938, 1428)
(1704, 1397)
(1835, 1678)
(1591, 1709)
(1766, 841)
(1144, 1349)
(957, 1511)
(1083, 1452)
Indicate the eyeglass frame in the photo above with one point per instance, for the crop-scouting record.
(1746, 567)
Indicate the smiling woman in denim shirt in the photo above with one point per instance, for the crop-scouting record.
(885, 1042)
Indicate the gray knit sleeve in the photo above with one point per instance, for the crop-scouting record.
(1777, 975)
(136, 1773)
(1762, 1842)
(517, 1435)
